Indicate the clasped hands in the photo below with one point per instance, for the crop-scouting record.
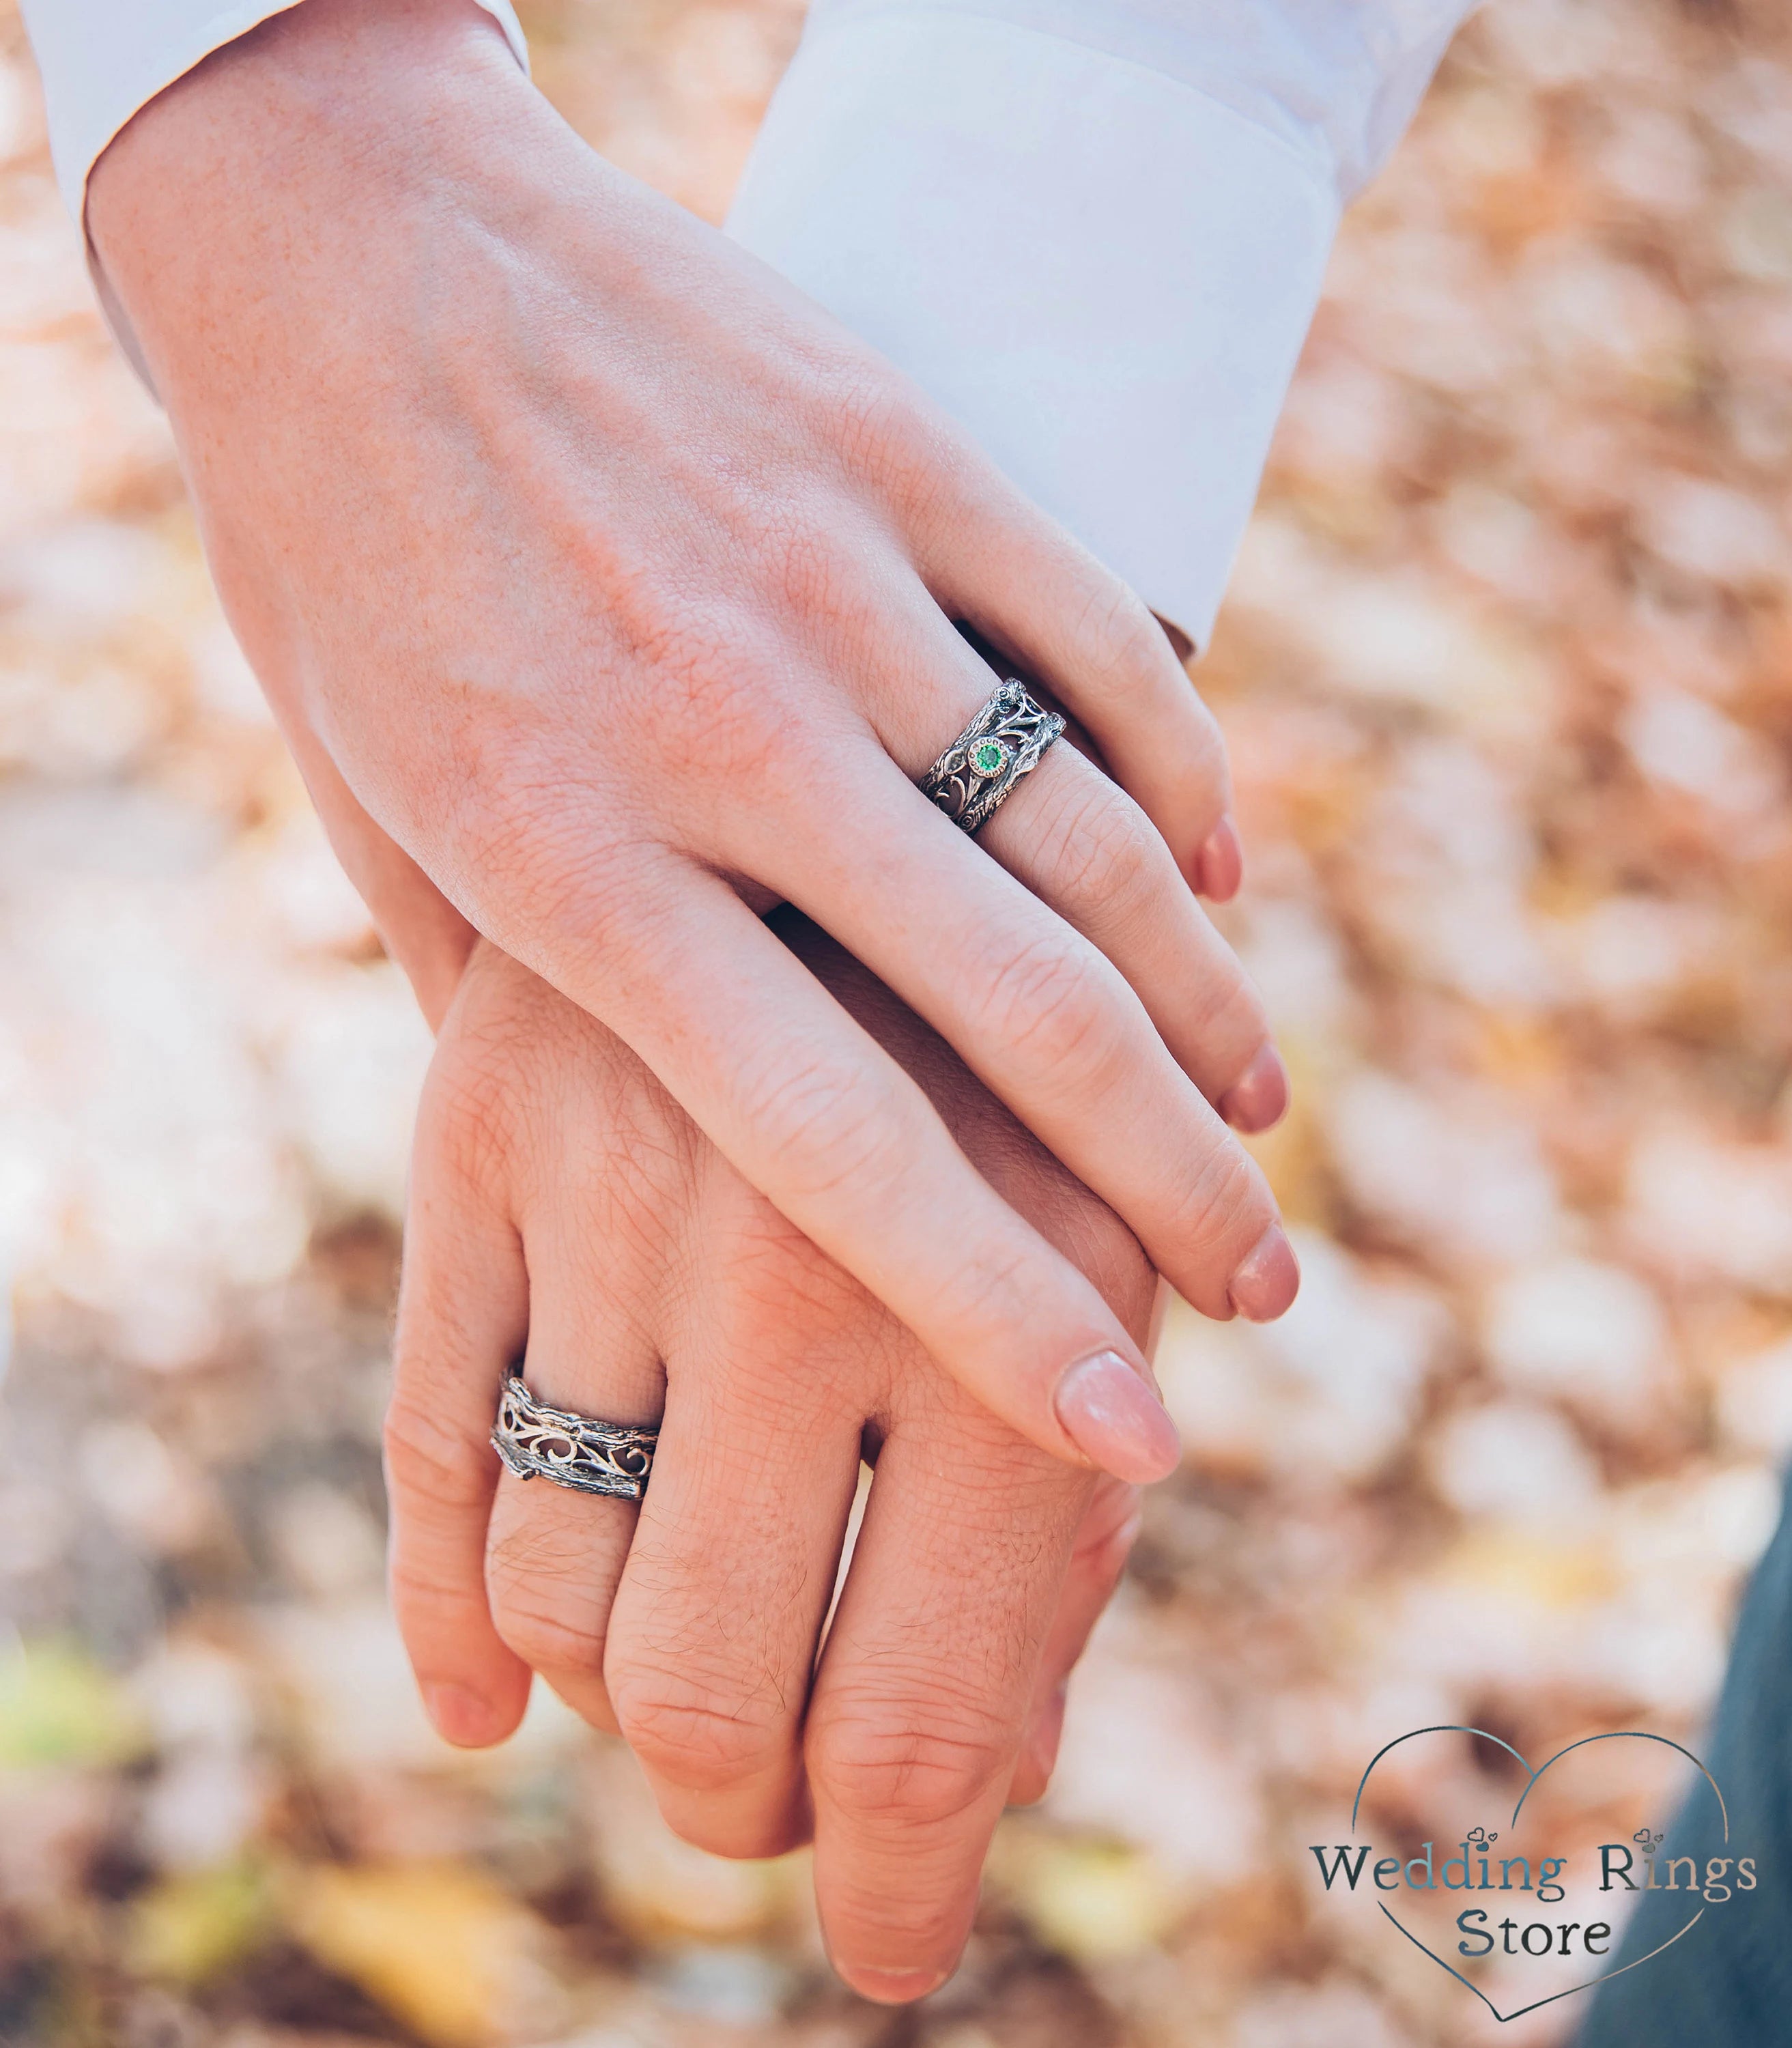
(605, 591)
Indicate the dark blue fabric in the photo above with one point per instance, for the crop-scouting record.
(1729, 1983)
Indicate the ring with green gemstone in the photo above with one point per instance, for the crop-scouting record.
(1006, 740)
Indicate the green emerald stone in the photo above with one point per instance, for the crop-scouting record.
(988, 756)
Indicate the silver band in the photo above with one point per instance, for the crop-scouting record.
(1006, 740)
(537, 1441)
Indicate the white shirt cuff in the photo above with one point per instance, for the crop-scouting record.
(103, 60)
(1103, 272)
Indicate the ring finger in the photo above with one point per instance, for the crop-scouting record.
(554, 1555)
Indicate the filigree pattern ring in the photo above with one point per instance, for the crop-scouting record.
(537, 1441)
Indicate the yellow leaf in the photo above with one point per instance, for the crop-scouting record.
(1094, 1901)
(58, 1706)
(441, 1948)
(1515, 1566)
(187, 1929)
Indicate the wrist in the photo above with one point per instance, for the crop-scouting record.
(281, 147)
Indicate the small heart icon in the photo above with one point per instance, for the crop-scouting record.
(1478, 1843)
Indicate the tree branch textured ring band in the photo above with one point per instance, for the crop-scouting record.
(537, 1441)
(1006, 740)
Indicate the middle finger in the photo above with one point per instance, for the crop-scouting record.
(921, 1703)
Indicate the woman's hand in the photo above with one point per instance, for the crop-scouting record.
(566, 1212)
(618, 583)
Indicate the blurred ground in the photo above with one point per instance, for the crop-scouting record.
(1508, 676)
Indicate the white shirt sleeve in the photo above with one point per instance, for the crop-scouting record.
(1094, 231)
(102, 60)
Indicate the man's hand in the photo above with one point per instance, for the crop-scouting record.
(565, 1210)
(618, 583)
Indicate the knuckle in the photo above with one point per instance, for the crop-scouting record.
(541, 1606)
(546, 855)
(554, 828)
(889, 1767)
(422, 1594)
(818, 580)
(920, 466)
(1125, 645)
(477, 737)
(1127, 654)
(717, 701)
(1226, 1001)
(1050, 1001)
(512, 784)
(831, 1127)
(908, 1913)
(427, 1457)
(1223, 1014)
(805, 572)
(1111, 864)
(546, 1640)
(700, 1737)
(1224, 1202)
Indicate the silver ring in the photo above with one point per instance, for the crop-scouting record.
(1006, 740)
(537, 1441)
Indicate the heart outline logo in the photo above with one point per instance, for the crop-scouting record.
(1532, 1778)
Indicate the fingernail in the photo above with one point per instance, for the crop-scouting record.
(1259, 1096)
(458, 1715)
(1219, 867)
(1268, 1279)
(1108, 1411)
(892, 1987)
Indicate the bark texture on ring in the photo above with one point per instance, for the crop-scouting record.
(1006, 740)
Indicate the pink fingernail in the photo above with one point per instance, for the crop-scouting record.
(1219, 869)
(1108, 1411)
(1259, 1096)
(1266, 1284)
(458, 1715)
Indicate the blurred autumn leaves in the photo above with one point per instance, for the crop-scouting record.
(1507, 676)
